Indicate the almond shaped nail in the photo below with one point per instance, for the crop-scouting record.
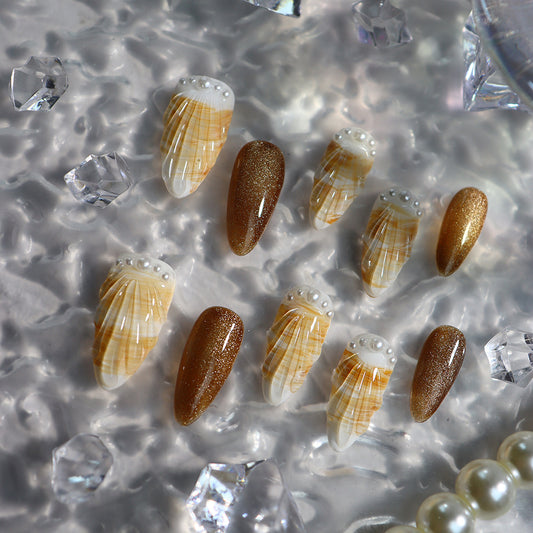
(460, 229)
(438, 365)
(255, 186)
(206, 362)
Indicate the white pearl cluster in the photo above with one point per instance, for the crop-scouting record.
(486, 489)
(402, 197)
(321, 302)
(204, 82)
(354, 137)
(146, 264)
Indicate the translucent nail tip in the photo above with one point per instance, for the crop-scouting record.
(39, 84)
(380, 23)
(290, 8)
(510, 355)
(100, 179)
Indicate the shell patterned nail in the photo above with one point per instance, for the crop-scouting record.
(438, 365)
(358, 385)
(134, 302)
(460, 229)
(256, 182)
(295, 341)
(341, 175)
(388, 239)
(196, 124)
(207, 360)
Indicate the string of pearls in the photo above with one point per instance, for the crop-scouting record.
(484, 489)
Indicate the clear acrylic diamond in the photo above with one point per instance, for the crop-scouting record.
(283, 7)
(510, 354)
(483, 86)
(39, 84)
(381, 24)
(100, 179)
(79, 467)
(243, 498)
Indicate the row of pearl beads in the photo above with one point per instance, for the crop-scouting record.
(486, 489)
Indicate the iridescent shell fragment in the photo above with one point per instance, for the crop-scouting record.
(358, 385)
(295, 341)
(134, 302)
(341, 175)
(196, 124)
(388, 239)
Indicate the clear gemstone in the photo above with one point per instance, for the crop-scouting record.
(510, 354)
(38, 85)
(283, 7)
(79, 467)
(380, 23)
(99, 179)
(483, 86)
(244, 497)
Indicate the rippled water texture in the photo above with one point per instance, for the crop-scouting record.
(297, 81)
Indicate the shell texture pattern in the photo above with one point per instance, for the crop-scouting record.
(196, 124)
(358, 385)
(388, 239)
(134, 302)
(295, 341)
(341, 175)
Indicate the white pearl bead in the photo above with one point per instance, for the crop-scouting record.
(487, 486)
(402, 529)
(516, 453)
(445, 512)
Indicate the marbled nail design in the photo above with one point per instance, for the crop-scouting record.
(255, 186)
(438, 365)
(341, 175)
(388, 239)
(295, 341)
(196, 124)
(460, 229)
(358, 385)
(134, 302)
(207, 360)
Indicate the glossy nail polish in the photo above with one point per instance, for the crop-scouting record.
(438, 365)
(255, 186)
(206, 362)
(460, 229)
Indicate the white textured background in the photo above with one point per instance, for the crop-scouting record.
(297, 81)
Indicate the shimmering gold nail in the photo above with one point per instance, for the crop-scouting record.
(254, 190)
(438, 365)
(206, 362)
(460, 229)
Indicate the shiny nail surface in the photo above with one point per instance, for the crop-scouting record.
(460, 229)
(206, 362)
(438, 365)
(255, 186)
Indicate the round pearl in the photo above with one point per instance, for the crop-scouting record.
(516, 453)
(445, 512)
(487, 486)
(402, 529)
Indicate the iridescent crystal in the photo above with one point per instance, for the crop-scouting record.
(379, 23)
(243, 497)
(100, 179)
(79, 467)
(38, 85)
(283, 7)
(484, 87)
(510, 354)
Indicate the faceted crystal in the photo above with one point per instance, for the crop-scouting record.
(510, 354)
(243, 498)
(79, 467)
(38, 84)
(99, 179)
(380, 23)
(283, 7)
(483, 86)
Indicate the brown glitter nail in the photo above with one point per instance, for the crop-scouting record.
(254, 190)
(438, 365)
(206, 362)
(460, 229)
